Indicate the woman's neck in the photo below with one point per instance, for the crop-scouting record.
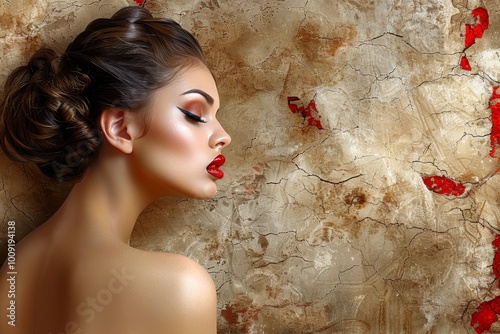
(106, 199)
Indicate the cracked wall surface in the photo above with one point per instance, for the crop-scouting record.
(339, 110)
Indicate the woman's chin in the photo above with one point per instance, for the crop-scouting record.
(203, 193)
(208, 194)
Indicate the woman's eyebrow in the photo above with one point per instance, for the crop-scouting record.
(207, 97)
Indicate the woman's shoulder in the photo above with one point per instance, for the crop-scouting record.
(161, 267)
(179, 292)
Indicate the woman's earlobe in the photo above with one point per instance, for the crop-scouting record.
(117, 128)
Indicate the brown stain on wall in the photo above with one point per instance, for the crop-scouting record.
(9, 23)
(19, 34)
(356, 197)
(211, 4)
(308, 41)
(263, 242)
(315, 47)
(231, 41)
(389, 198)
(215, 251)
(324, 234)
(240, 314)
(328, 232)
(313, 57)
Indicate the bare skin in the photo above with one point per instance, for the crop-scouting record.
(76, 273)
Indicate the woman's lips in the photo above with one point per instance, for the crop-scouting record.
(213, 168)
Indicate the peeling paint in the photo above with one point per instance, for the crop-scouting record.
(464, 63)
(488, 311)
(495, 121)
(476, 30)
(310, 113)
(443, 185)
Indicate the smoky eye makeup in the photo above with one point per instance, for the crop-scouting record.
(192, 116)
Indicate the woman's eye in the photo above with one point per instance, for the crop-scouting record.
(192, 116)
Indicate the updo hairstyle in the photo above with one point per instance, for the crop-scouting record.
(49, 114)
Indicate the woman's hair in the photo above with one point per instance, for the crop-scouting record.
(50, 111)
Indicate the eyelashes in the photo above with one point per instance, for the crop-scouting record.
(192, 116)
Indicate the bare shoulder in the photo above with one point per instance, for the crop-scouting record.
(181, 293)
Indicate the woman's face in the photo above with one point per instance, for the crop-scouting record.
(180, 154)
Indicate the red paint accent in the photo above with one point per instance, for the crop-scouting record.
(495, 121)
(139, 2)
(443, 185)
(473, 31)
(229, 314)
(487, 312)
(476, 31)
(310, 113)
(293, 107)
(496, 259)
(464, 64)
(239, 317)
(485, 316)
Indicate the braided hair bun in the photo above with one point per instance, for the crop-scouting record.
(45, 117)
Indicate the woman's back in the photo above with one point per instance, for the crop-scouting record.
(47, 274)
(84, 284)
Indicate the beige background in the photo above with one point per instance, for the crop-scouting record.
(318, 231)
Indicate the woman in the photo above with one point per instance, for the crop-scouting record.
(129, 111)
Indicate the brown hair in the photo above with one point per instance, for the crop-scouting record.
(50, 111)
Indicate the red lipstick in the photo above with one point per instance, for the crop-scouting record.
(213, 168)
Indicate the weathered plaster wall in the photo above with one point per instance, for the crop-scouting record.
(314, 230)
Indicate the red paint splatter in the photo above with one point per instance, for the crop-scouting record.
(464, 63)
(310, 113)
(443, 185)
(487, 312)
(239, 316)
(496, 259)
(140, 2)
(486, 315)
(476, 30)
(229, 315)
(495, 121)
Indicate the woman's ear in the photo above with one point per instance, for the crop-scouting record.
(120, 128)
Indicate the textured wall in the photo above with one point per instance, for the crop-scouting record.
(343, 114)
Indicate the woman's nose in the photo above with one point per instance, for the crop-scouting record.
(220, 138)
